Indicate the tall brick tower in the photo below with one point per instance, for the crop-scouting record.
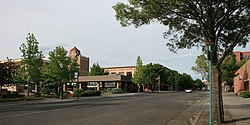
(82, 61)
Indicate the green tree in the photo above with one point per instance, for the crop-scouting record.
(6, 71)
(96, 69)
(179, 81)
(138, 75)
(173, 79)
(198, 84)
(153, 74)
(219, 24)
(185, 81)
(242, 62)
(229, 67)
(20, 75)
(201, 66)
(60, 68)
(31, 64)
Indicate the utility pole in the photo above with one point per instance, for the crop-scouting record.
(210, 87)
(77, 85)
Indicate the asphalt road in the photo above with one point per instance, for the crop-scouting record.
(140, 109)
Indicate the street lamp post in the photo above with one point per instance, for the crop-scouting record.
(61, 88)
(77, 87)
(210, 87)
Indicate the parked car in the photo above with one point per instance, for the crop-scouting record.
(188, 91)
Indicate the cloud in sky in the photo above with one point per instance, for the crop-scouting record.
(91, 27)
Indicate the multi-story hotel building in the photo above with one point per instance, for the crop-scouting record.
(82, 61)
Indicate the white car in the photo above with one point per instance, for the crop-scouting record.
(188, 91)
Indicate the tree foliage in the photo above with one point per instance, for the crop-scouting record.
(138, 75)
(96, 69)
(172, 79)
(6, 71)
(191, 22)
(185, 81)
(229, 67)
(179, 81)
(198, 84)
(60, 67)
(29, 70)
(153, 74)
(242, 62)
(201, 66)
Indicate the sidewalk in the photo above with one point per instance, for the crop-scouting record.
(56, 100)
(236, 111)
(238, 107)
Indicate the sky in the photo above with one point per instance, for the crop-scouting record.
(90, 25)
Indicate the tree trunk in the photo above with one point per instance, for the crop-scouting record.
(61, 90)
(217, 103)
(139, 88)
(220, 97)
(28, 92)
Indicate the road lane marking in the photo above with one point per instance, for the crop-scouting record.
(198, 101)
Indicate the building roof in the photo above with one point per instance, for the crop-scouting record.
(18, 60)
(105, 78)
(74, 49)
(115, 67)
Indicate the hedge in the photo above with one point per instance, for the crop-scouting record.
(245, 94)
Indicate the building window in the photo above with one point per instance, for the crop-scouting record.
(109, 84)
(129, 74)
(121, 73)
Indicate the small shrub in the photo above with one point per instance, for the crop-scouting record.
(231, 89)
(37, 94)
(245, 94)
(90, 93)
(78, 92)
(52, 95)
(66, 94)
(10, 95)
(21, 95)
(106, 91)
(116, 91)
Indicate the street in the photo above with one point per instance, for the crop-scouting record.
(142, 109)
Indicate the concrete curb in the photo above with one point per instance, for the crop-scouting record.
(186, 117)
(193, 120)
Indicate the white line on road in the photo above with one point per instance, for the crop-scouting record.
(198, 101)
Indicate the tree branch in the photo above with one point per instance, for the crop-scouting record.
(195, 35)
(240, 35)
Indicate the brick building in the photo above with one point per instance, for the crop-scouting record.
(121, 70)
(129, 71)
(241, 55)
(82, 61)
(241, 81)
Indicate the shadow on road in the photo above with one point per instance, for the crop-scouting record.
(237, 120)
(46, 107)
